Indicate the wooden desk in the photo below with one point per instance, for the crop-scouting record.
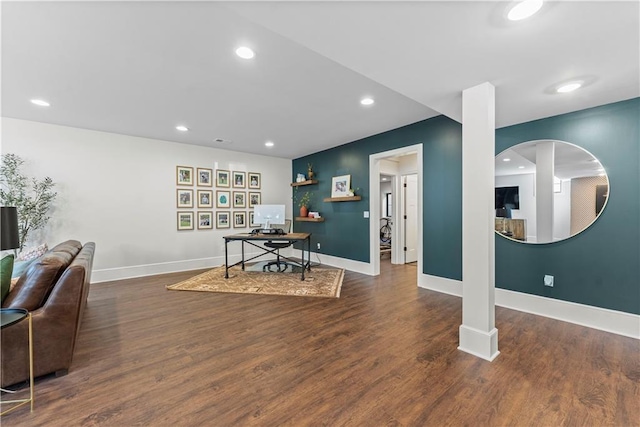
(251, 238)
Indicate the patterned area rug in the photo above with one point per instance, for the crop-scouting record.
(319, 282)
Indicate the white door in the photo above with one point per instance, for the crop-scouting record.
(411, 218)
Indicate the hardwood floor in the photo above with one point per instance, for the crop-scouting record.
(384, 353)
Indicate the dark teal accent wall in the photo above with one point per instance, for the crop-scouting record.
(600, 266)
(345, 232)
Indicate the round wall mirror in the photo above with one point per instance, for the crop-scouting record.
(547, 191)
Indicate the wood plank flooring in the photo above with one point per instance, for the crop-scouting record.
(383, 354)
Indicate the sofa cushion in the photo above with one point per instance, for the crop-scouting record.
(32, 253)
(34, 286)
(6, 267)
(19, 267)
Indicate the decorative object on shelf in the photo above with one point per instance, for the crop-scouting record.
(303, 202)
(205, 198)
(352, 192)
(205, 177)
(239, 179)
(205, 220)
(222, 178)
(310, 171)
(340, 186)
(31, 197)
(300, 178)
(184, 175)
(222, 219)
(223, 199)
(185, 220)
(239, 219)
(254, 180)
(184, 198)
(239, 199)
(314, 214)
(254, 198)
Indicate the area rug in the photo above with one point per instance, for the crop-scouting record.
(319, 282)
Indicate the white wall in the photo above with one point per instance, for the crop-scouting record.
(120, 192)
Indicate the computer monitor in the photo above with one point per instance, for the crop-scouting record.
(265, 215)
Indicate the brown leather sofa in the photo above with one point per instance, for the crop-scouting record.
(54, 289)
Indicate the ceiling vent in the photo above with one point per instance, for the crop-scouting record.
(222, 141)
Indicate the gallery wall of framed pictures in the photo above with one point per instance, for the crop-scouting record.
(219, 200)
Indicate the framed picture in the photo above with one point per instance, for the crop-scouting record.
(205, 177)
(223, 199)
(340, 185)
(185, 220)
(239, 199)
(239, 179)
(205, 220)
(254, 180)
(252, 223)
(222, 178)
(205, 198)
(239, 220)
(184, 175)
(184, 198)
(222, 219)
(254, 198)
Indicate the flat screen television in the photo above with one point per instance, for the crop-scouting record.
(266, 215)
(507, 198)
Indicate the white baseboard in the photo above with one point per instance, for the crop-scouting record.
(120, 273)
(613, 321)
(347, 264)
(479, 343)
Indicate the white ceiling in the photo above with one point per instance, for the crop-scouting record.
(141, 68)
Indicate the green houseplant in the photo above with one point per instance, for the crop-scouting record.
(304, 201)
(32, 197)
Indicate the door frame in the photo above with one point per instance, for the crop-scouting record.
(374, 212)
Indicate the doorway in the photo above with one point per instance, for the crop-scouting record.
(400, 166)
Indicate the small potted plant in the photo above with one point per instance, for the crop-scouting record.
(303, 202)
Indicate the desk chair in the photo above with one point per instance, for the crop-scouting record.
(277, 245)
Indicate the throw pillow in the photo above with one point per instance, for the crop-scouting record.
(33, 253)
(6, 267)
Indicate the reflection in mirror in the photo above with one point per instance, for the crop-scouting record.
(547, 190)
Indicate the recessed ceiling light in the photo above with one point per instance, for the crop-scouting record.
(569, 87)
(600, 170)
(269, 144)
(40, 102)
(384, 179)
(182, 128)
(524, 9)
(244, 52)
(367, 101)
(506, 159)
(520, 167)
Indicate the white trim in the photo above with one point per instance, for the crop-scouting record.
(479, 343)
(131, 272)
(347, 264)
(615, 322)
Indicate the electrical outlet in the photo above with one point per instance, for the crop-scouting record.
(318, 246)
(548, 280)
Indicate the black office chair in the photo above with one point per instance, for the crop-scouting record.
(280, 264)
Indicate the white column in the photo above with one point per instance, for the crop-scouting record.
(544, 191)
(478, 334)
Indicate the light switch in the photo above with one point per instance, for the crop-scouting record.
(548, 280)
(366, 214)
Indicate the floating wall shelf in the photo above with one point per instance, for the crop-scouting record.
(342, 199)
(307, 182)
(309, 219)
